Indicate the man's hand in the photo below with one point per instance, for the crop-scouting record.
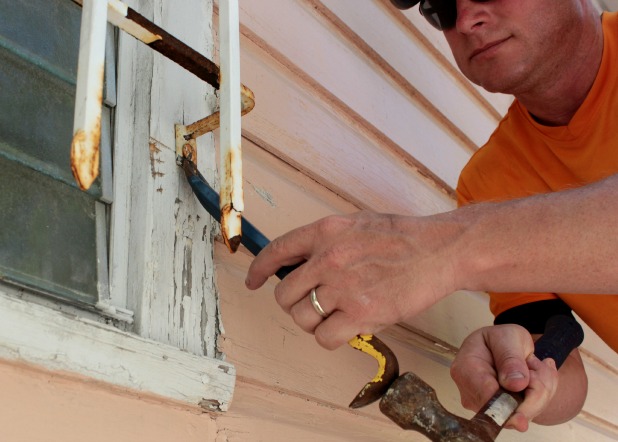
(504, 355)
(370, 271)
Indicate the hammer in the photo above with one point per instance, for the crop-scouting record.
(413, 405)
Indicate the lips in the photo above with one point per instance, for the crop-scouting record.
(488, 47)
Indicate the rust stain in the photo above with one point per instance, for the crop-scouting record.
(230, 216)
(154, 151)
(85, 144)
(231, 235)
(85, 156)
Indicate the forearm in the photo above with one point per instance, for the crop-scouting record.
(561, 242)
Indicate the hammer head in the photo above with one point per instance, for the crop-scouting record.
(413, 405)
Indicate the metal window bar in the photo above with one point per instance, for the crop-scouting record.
(84, 149)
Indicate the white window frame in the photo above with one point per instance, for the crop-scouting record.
(161, 243)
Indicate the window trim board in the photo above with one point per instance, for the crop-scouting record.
(55, 340)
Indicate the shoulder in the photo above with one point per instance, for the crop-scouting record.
(483, 178)
(495, 172)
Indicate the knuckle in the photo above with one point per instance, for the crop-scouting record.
(277, 246)
(468, 403)
(333, 224)
(281, 299)
(324, 340)
(334, 257)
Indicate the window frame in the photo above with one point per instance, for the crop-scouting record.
(173, 360)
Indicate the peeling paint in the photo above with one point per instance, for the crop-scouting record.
(210, 405)
(154, 152)
(265, 195)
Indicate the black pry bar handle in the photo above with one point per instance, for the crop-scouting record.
(562, 335)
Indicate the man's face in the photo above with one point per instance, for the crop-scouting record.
(511, 46)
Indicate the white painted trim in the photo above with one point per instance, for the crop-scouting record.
(89, 93)
(230, 157)
(59, 341)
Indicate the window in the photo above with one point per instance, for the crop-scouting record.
(53, 236)
(58, 244)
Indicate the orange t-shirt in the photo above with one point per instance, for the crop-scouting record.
(524, 158)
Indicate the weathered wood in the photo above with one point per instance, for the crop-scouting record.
(169, 271)
(57, 341)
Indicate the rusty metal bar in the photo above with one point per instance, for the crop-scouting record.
(127, 19)
(212, 122)
(135, 24)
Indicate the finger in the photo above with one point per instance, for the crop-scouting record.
(475, 395)
(474, 373)
(513, 373)
(510, 347)
(518, 421)
(306, 316)
(295, 287)
(338, 329)
(542, 387)
(289, 249)
(476, 381)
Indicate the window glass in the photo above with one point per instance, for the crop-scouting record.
(47, 225)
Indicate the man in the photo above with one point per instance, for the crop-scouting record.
(540, 235)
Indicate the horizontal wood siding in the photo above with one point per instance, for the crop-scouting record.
(358, 106)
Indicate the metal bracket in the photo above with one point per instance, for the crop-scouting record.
(186, 135)
(85, 145)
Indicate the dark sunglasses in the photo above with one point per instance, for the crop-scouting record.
(441, 14)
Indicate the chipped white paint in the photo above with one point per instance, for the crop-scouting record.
(230, 159)
(160, 227)
(59, 341)
(502, 408)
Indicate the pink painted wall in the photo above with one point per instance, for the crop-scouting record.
(40, 406)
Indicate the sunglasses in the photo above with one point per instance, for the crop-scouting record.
(441, 14)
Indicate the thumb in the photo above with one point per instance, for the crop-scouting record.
(513, 373)
(510, 348)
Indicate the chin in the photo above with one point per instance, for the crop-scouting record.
(498, 82)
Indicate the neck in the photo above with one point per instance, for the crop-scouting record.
(556, 104)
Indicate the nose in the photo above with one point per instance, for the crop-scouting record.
(471, 15)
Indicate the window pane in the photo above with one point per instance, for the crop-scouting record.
(47, 225)
(47, 234)
(37, 84)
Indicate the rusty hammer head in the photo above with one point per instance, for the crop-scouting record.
(413, 405)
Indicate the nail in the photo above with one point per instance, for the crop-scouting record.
(514, 375)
